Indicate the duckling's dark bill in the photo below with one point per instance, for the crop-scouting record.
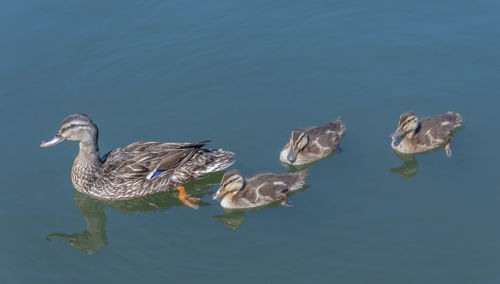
(219, 194)
(292, 155)
(52, 141)
(396, 134)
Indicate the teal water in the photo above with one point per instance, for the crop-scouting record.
(244, 74)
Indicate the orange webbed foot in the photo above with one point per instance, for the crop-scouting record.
(186, 199)
(448, 150)
(286, 203)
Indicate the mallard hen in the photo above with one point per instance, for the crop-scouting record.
(140, 169)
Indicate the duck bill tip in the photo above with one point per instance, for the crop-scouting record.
(396, 134)
(219, 193)
(51, 141)
(292, 155)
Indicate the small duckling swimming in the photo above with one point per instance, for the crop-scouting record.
(312, 144)
(238, 193)
(416, 136)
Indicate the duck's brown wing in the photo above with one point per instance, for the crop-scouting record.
(268, 187)
(335, 126)
(436, 130)
(258, 195)
(325, 139)
(143, 159)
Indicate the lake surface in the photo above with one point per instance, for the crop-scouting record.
(244, 74)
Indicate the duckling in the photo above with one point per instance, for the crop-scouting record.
(140, 169)
(239, 193)
(416, 136)
(312, 144)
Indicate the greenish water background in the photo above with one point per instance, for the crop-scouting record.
(244, 74)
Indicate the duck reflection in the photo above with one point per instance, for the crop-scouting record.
(409, 168)
(234, 218)
(94, 238)
(295, 168)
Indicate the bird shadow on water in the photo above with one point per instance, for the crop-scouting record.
(94, 238)
(409, 168)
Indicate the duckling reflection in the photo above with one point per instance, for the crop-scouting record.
(94, 238)
(233, 219)
(293, 168)
(409, 168)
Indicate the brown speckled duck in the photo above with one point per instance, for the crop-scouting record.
(140, 169)
(312, 144)
(239, 193)
(416, 136)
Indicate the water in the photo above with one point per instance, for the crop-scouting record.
(244, 74)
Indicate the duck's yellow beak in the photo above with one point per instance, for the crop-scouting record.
(52, 141)
(220, 193)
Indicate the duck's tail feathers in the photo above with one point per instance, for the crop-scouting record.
(339, 125)
(196, 145)
(220, 160)
(301, 177)
(456, 119)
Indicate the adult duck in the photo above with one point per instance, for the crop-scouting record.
(139, 169)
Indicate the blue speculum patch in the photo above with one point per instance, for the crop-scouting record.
(157, 174)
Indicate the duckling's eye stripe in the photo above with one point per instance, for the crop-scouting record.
(230, 181)
(408, 121)
(299, 137)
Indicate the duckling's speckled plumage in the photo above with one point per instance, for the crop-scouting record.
(317, 143)
(259, 190)
(136, 170)
(416, 136)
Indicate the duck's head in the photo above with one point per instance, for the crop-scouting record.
(298, 141)
(76, 127)
(232, 181)
(408, 123)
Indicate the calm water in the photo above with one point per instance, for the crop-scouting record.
(244, 74)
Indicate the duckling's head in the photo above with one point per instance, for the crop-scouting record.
(408, 123)
(232, 181)
(298, 141)
(76, 127)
